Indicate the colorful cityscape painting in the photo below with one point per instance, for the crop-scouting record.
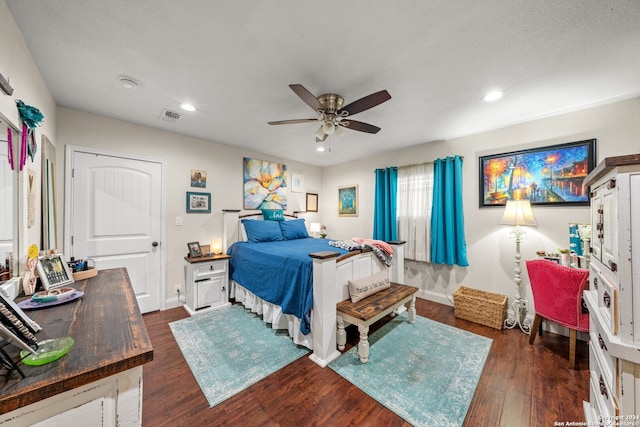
(545, 176)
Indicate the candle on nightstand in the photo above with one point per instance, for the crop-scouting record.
(216, 246)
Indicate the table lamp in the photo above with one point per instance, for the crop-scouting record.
(314, 228)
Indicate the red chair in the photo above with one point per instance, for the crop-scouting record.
(557, 296)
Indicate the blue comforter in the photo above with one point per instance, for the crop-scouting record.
(280, 272)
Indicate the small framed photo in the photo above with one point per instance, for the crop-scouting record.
(198, 202)
(54, 271)
(312, 202)
(194, 250)
(348, 201)
(297, 183)
(198, 178)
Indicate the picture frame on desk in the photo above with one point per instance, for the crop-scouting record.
(54, 271)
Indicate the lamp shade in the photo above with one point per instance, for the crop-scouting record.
(518, 212)
(314, 227)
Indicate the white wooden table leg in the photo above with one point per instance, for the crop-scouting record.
(412, 310)
(363, 345)
(341, 337)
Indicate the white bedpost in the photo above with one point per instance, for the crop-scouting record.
(396, 273)
(229, 228)
(323, 319)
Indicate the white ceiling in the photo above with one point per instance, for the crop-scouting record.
(235, 59)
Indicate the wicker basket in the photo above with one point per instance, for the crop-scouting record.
(478, 306)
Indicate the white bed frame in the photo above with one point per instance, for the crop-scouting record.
(330, 276)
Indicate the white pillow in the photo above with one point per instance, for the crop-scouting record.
(361, 288)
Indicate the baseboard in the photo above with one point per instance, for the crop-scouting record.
(172, 303)
(435, 297)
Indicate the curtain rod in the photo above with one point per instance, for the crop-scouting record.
(424, 163)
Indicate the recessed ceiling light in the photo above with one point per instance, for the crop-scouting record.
(187, 107)
(492, 96)
(129, 82)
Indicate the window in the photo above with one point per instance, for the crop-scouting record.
(415, 195)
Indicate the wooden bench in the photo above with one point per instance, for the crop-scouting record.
(371, 309)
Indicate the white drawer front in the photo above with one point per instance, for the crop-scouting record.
(607, 301)
(209, 268)
(601, 391)
(602, 357)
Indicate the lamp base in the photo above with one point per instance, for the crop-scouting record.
(519, 317)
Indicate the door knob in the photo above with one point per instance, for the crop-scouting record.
(154, 244)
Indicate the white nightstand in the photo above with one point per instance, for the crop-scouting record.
(207, 283)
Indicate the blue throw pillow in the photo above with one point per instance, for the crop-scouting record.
(273, 214)
(262, 231)
(294, 229)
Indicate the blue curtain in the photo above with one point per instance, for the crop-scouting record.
(448, 245)
(384, 213)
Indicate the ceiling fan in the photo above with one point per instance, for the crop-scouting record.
(333, 116)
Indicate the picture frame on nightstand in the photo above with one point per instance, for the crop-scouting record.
(194, 250)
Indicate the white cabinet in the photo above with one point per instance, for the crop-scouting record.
(110, 402)
(613, 298)
(207, 283)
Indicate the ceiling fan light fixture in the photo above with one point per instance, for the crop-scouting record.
(320, 132)
(339, 131)
(328, 127)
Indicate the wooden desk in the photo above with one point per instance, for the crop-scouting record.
(111, 345)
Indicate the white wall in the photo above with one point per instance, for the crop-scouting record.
(490, 250)
(181, 154)
(17, 65)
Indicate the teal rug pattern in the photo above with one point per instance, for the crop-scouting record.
(230, 348)
(425, 372)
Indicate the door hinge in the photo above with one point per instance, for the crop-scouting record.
(73, 173)
(72, 240)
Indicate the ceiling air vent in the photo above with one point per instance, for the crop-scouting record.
(170, 116)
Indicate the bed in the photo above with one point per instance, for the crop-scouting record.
(295, 282)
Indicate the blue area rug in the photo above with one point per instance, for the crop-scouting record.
(426, 373)
(229, 349)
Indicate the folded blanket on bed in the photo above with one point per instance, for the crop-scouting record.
(384, 246)
(384, 255)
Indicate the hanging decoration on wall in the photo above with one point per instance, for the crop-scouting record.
(31, 118)
(265, 185)
(10, 144)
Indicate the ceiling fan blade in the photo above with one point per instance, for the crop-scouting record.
(362, 127)
(307, 96)
(365, 103)
(289, 122)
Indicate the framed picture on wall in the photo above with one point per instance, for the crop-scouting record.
(312, 202)
(348, 200)
(297, 183)
(198, 202)
(198, 178)
(550, 175)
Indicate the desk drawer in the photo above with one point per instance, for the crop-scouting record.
(607, 299)
(601, 357)
(601, 392)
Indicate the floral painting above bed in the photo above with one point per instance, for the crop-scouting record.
(265, 185)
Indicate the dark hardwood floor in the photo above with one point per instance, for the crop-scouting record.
(521, 385)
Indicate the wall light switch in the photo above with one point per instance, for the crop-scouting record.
(178, 220)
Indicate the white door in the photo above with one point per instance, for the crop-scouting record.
(116, 218)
